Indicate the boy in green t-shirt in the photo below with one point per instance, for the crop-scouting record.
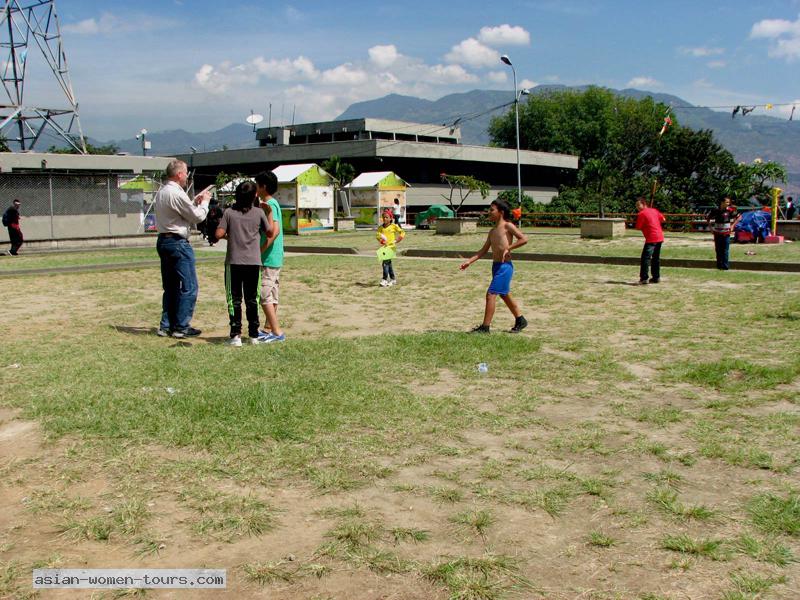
(271, 255)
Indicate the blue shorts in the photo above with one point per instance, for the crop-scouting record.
(501, 278)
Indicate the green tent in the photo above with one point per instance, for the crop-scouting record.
(141, 183)
(436, 211)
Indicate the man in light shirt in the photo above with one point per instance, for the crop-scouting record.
(175, 214)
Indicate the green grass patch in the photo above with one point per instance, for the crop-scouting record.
(733, 374)
(708, 548)
(490, 577)
(776, 514)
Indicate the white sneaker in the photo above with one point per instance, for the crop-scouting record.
(384, 283)
(393, 282)
(235, 341)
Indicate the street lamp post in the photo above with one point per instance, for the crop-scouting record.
(507, 61)
(142, 135)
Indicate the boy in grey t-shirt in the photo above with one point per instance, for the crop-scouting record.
(242, 224)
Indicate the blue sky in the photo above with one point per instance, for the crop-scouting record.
(200, 64)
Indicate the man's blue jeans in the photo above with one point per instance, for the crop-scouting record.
(650, 261)
(179, 280)
(722, 244)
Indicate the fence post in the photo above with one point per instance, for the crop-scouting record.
(108, 190)
(52, 216)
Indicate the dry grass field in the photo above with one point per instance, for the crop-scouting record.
(633, 442)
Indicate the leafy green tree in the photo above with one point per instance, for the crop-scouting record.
(622, 156)
(90, 149)
(464, 185)
(341, 172)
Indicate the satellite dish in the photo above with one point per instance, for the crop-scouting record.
(254, 119)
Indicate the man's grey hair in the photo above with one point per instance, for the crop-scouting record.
(174, 167)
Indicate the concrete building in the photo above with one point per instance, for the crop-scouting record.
(76, 196)
(419, 153)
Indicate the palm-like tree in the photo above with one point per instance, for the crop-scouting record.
(342, 173)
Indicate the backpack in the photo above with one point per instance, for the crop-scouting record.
(6, 219)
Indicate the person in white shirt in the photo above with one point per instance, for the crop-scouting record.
(175, 214)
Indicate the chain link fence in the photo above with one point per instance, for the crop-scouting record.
(64, 206)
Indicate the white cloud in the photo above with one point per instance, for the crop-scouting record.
(785, 36)
(285, 69)
(504, 35)
(383, 56)
(104, 24)
(701, 51)
(450, 74)
(292, 14)
(497, 76)
(471, 52)
(527, 84)
(218, 80)
(643, 82)
(344, 74)
(716, 64)
(772, 28)
(108, 24)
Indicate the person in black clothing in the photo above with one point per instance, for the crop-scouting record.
(790, 208)
(11, 220)
(212, 222)
(725, 219)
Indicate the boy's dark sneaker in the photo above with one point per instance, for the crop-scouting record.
(642, 282)
(189, 332)
(519, 324)
(480, 329)
(654, 280)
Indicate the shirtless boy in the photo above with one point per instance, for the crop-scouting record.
(501, 240)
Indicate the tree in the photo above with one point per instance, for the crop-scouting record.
(90, 149)
(622, 155)
(465, 185)
(342, 173)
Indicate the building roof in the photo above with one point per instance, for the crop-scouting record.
(371, 179)
(287, 173)
(46, 161)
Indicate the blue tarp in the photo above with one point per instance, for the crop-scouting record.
(756, 222)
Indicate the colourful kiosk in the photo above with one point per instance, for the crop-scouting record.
(305, 194)
(373, 193)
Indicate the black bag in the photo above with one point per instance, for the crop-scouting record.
(6, 219)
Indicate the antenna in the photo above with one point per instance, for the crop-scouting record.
(254, 119)
(20, 22)
(294, 107)
(269, 123)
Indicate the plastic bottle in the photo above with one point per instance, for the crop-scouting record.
(483, 368)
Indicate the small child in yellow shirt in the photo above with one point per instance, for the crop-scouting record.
(389, 235)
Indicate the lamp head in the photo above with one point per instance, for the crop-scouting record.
(505, 59)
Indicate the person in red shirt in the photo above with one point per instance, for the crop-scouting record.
(648, 221)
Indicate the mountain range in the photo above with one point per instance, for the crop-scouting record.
(747, 138)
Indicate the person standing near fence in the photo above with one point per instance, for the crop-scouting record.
(648, 221)
(176, 213)
(724, 220)
(11, 220)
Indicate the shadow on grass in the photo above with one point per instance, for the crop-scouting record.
(630, 283)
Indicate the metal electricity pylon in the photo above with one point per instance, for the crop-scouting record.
(28, 27)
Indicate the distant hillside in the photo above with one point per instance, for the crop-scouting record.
(179, 141)
(750, 137)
